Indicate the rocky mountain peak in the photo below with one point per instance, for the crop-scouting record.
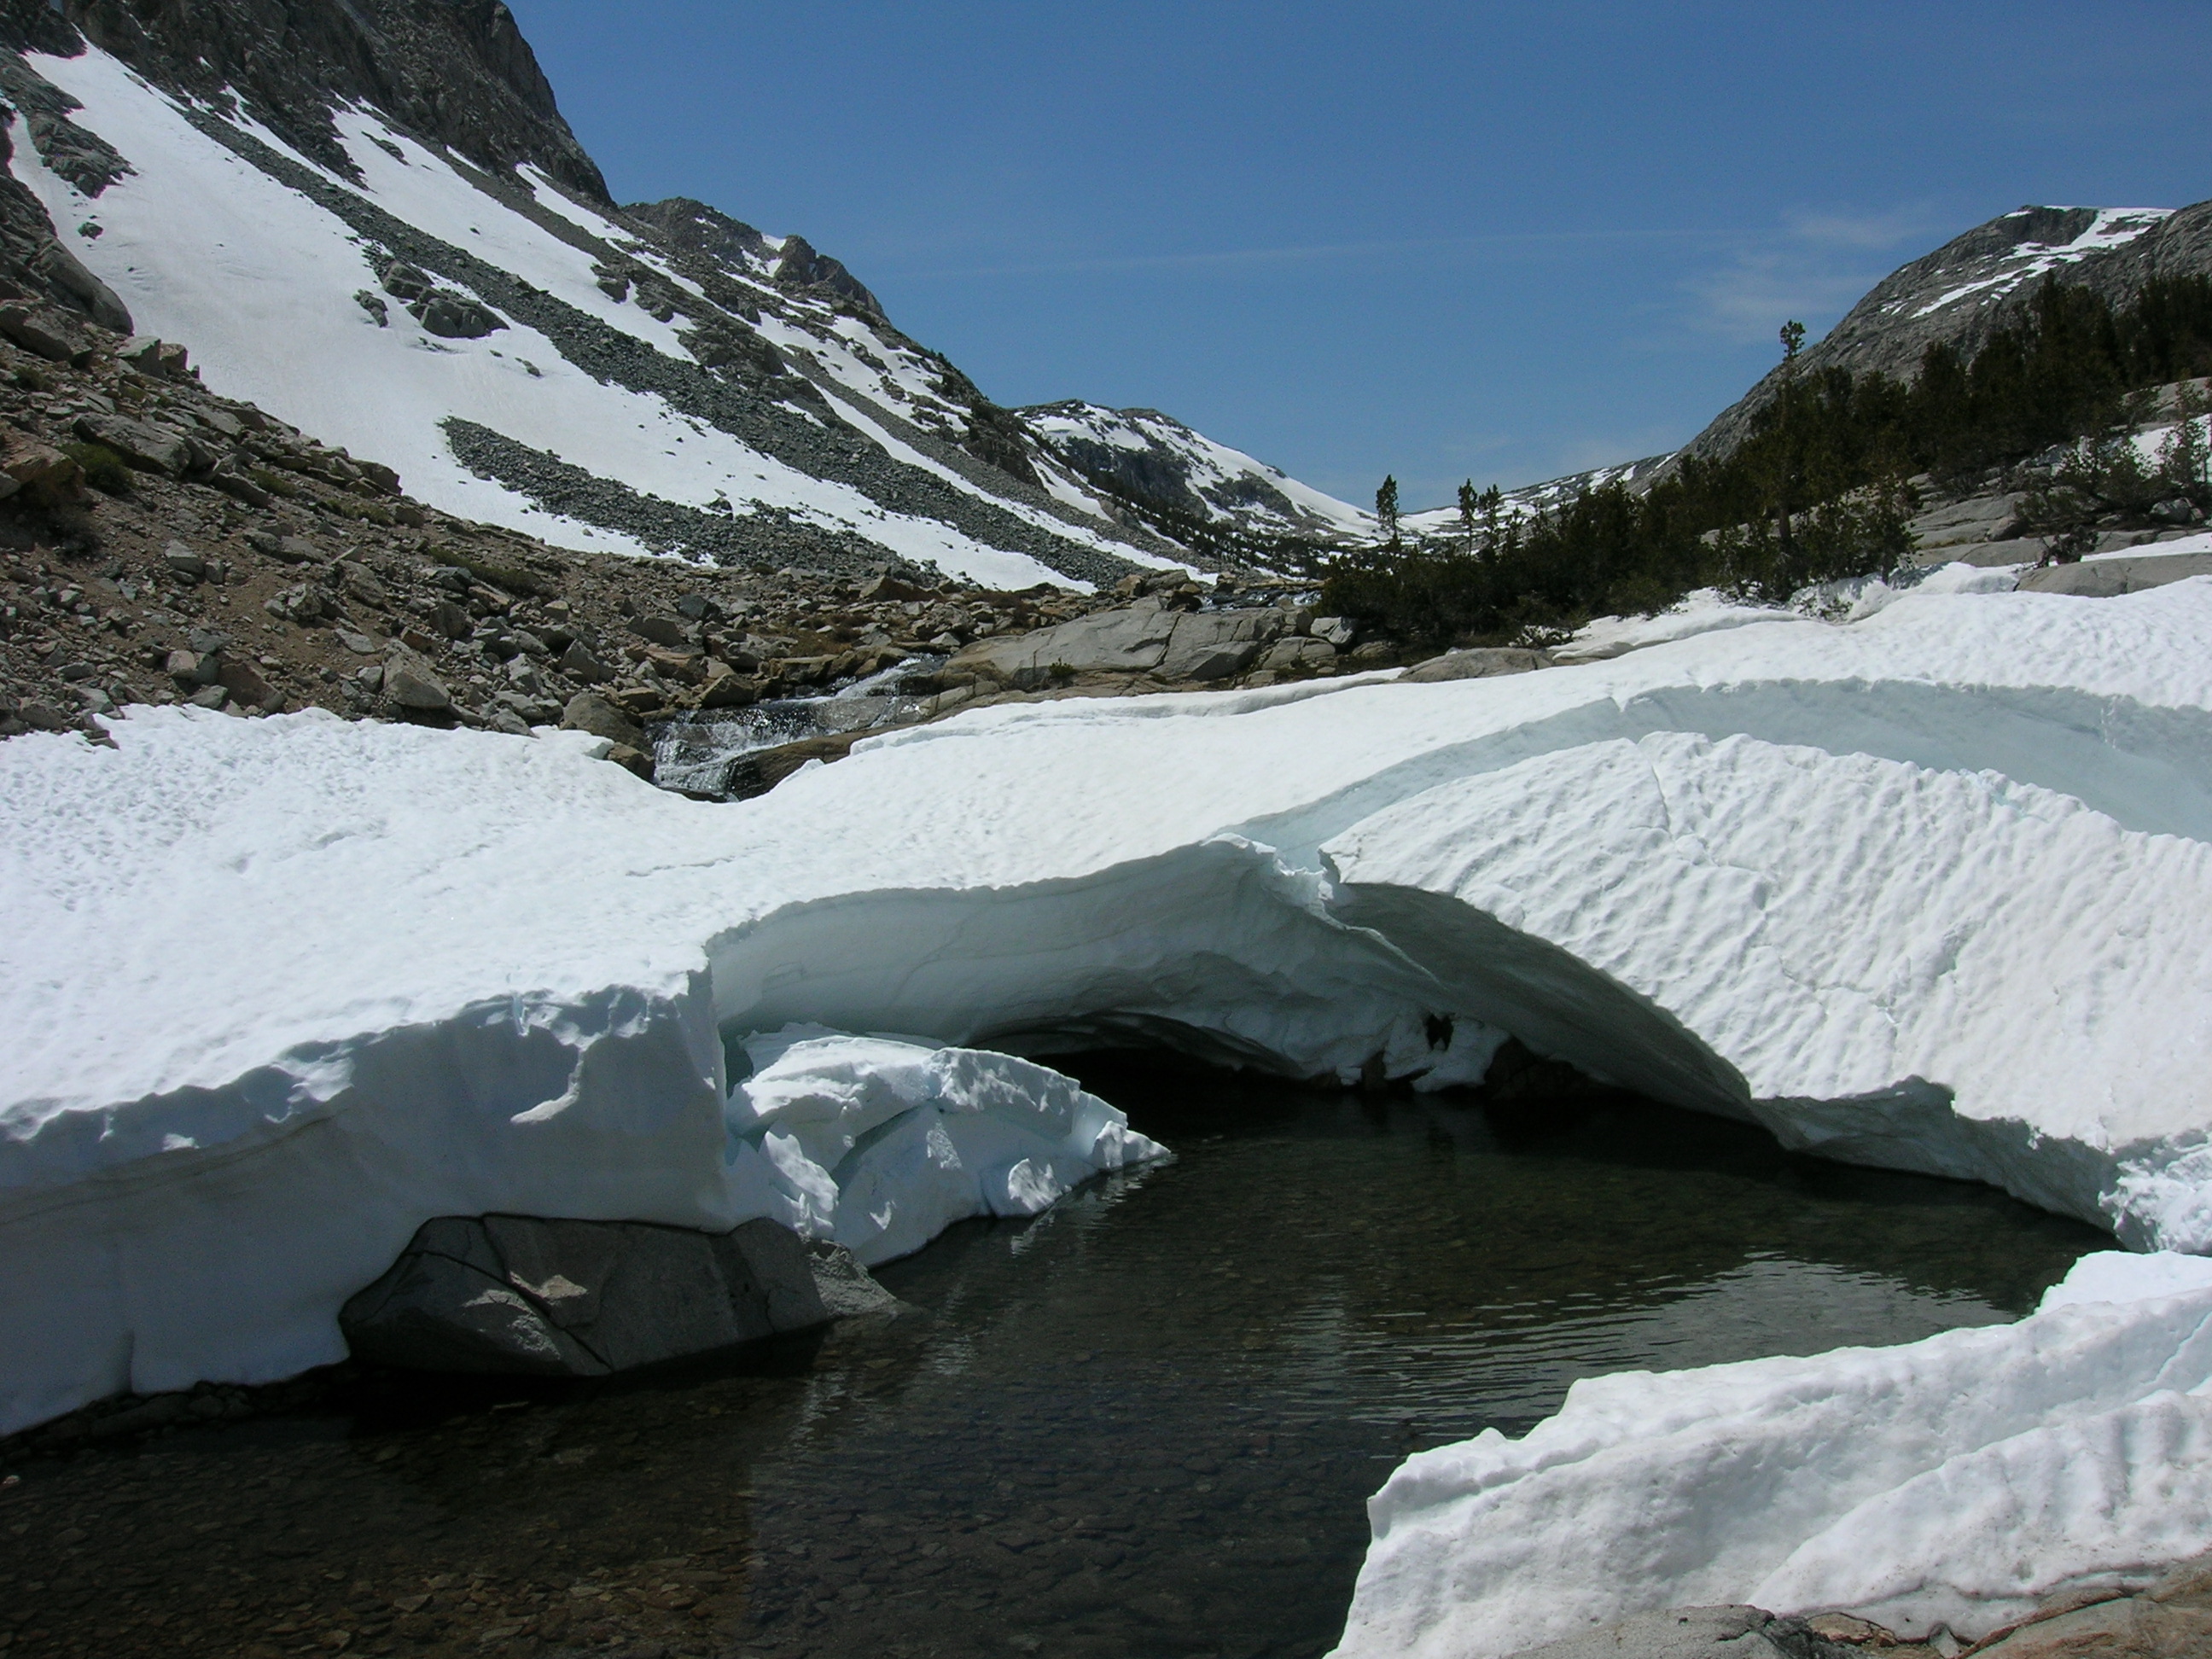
(456, 73)
(692, 227)
(801, 267)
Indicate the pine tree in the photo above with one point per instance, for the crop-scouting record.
(1793, 340)
(1468, 502)
(1386, 508)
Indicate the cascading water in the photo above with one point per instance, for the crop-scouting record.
(692, 753)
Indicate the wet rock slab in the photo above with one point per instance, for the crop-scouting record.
(1722, 1632)
(588, 1298)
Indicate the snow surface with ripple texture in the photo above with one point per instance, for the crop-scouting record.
(1927, 889)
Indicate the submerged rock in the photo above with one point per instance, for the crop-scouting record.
(588, 1298)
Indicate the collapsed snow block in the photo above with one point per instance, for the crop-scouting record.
(1724, 1633)
(588, 1298)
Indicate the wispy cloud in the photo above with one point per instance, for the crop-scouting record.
(1875, 232)
(1814, 267)
(1750, 298)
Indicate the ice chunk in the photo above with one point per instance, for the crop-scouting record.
(2119, 1276)
(879, 1144)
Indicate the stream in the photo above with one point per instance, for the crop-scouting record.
(1145, 1423)
(691, 754)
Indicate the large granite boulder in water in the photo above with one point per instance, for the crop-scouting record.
(586, 1298)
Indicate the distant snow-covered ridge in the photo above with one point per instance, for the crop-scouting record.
(1926, 890)
(1158, 457)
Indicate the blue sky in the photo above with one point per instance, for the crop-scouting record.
(1502, 242)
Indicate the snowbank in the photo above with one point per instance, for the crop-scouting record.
(1705, 611)
(1957, 1481)
(880, 1145)
(1929, 891)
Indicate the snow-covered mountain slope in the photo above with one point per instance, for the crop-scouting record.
(1156, 458)
(1927, 890)
(665, 380)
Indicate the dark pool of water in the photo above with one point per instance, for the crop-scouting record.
(1145, 1424)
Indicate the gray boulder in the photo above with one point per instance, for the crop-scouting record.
(69, 273)
(1296, 652)
(1481, 663)
(1725, 1632)
(1212, 645)
(50, 333)
(1129, 641)
(589, 711)
(453, 316)
(148, 447)
(2106, 579)
(577, 662)
(671, 631)
(1143, 638)
(410, 685)
(588, 1298)
(150, 356)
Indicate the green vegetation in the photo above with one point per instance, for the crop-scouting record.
(104, 470)
(1821, 487)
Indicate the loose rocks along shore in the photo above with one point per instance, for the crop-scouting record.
(2168, 1618)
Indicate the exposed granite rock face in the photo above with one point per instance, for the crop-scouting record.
(692, 227)
(1131, 640)
(456, 73)
(1971, 287)
(2106, 579)
(800, 266)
